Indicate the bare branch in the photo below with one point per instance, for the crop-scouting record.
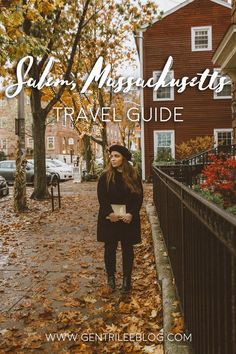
(70, 62)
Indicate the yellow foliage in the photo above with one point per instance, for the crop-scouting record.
(15, 18)
(194, 146)
(3, 71)
(46, 7)
(32, 14)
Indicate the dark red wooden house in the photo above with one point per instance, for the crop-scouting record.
(190, 33)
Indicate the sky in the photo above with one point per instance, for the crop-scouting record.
(167, 4)
(164, 5)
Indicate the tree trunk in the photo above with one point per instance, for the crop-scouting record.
(104, 145)
(20, 200)
(87, 152)
(40, 179)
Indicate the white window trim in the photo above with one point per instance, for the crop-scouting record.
(172, 141)
(62, 118)
(28, 143)
(215, 93)
(50, 120)
(193, 29)
(4, 141)
(70, 141)
(172, 89)
(51, 137)
(223, 130)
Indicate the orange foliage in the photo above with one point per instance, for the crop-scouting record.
(194, 146)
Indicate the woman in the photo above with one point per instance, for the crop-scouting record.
(119, 187)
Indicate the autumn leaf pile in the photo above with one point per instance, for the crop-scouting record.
(53, 281)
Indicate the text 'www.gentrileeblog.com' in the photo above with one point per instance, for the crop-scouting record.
(118, 337)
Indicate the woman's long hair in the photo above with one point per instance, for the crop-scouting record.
(129, 173)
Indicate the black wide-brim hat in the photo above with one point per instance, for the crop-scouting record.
(122, 150)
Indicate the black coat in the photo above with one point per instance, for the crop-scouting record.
(118, 193)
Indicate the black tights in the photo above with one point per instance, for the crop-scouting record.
(110, 257)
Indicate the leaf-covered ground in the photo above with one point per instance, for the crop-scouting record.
(52, 281)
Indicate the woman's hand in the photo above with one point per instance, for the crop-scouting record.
(127, 218)
(113, 217)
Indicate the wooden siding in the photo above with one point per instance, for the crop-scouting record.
(172, 36)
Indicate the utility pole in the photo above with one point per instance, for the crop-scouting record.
(20, 200)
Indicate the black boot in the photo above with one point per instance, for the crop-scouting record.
(126, 286)
(111, 281)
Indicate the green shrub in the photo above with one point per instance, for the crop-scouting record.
(215, 198)
(212, 197)
(163, 156)
(232, 210)
(137, 161)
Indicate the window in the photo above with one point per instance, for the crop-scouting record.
(50, 119)
(226, 92)
(30, 143)
(163, 93)
(51, 143)
(63, 117)
(70, 141)
(223, 136)
(164, 143)
(3, 145)
(3, 122)
(201, 38)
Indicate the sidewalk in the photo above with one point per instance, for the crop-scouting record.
(52, 280)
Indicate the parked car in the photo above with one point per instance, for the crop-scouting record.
(4, 189)
(60, 163)
(65, 171)
(99, 161)
(8, 171)
(49, 169)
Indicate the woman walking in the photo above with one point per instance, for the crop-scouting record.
(120, 195)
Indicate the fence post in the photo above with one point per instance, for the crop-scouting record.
(52, 197)
(233, 301)
(205, 276)
(58, 196)
(182, 246)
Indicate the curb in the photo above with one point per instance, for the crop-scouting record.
(164, 274)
